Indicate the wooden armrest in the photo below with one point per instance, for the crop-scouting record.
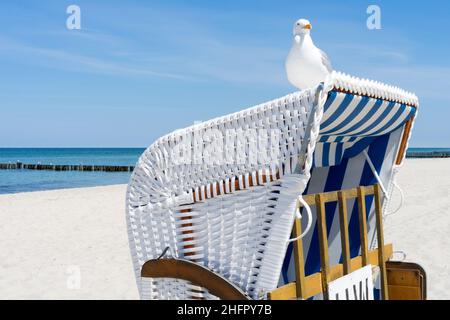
(194, 273)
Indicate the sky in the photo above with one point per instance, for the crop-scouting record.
(137, 70)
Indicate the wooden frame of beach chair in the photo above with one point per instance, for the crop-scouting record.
(308, 286)
(398, 280)
(194, 273)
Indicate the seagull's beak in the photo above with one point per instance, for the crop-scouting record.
(308, 26)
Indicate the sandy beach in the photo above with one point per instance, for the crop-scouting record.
(72, 243)
(422, 227)
(49, 238)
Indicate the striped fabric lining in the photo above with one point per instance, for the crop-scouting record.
(350, 123)
(351, 172)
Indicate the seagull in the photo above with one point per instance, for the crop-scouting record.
(306, 65)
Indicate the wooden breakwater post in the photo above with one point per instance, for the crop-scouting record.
(65, 167)
(430, 154)
(8, 166)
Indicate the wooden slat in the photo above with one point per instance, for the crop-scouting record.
(331, 196)
(403, 277)
(286, 292)
(363, 225)
(380, 239)
(299, 260)
(187, 224)
(405, 292)
(323, 243)
(313, 283)
(404, 142)
(265, 178)
(343, 223)
(318, 282)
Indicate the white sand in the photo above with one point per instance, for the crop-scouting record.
(45, 237)
(422, 227)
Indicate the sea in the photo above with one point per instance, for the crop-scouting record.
(15, 181)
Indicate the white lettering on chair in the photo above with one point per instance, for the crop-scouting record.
(357, 285)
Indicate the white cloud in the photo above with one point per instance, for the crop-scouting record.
(62, 59)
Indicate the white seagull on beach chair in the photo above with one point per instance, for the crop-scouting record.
(306, 65)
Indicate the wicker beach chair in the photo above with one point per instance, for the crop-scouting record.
(211, 208)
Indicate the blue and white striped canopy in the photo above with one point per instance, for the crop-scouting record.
(358, 115)
(351, 122)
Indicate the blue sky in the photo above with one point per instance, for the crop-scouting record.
(139, 69)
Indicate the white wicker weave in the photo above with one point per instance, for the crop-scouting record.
(193, 206)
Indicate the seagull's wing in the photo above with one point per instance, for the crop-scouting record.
(326, 61)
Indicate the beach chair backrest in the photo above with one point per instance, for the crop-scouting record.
(308, 286)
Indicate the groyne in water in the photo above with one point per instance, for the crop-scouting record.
(108, 168)
(430, 154)
(65, 167)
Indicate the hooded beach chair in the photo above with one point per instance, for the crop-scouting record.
(276, 201)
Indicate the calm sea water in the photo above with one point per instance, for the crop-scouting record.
(428, 150)
(13, 181)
